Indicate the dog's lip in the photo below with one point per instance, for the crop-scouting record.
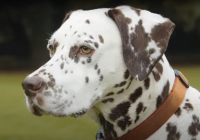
(37, 111)
(78, 114)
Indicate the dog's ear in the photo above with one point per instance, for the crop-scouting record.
(67, 15)
(145, 37)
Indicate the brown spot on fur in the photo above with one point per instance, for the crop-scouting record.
(151, 51)
(128, 20)
(88, 41)
(161, 34)
(126, 74)
(120, 110)
(73, 51)
(91, 37)
(87, 21)
(139, 108)
(101, 39)
(96, 45)
(135, 95)
(121, 91)
(156, 76)
(131, 28)
(60, 90)
(98, 71)
(158, 100)
(173, 134)
(188, 107)
(137, 118)
(96, 67)
(108, 100)
(122, 83)
(62, 57)
(125, 122)
(101, 78)
(62, 65)
(131, 79)
(147, 83)
(178, 112)
(138, 111)
(106, 14)
(108, 128)
(144, 109)
(86, 79)
(194, 127)
(110, 94)
(136, 10)
(149, 96)
(159, 68)
(163, 95)
(51, 84)
(116, 85)
(42, 70)
(89, 59)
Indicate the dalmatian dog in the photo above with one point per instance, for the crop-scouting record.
(109, 63)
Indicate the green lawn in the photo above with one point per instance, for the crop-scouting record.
(16, 123)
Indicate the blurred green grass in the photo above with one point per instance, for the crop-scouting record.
(16, 123)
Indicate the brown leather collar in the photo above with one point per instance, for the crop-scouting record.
(162, 113)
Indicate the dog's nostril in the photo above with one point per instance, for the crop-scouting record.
(32, 85)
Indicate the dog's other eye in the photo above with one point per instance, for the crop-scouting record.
(51, 49)
(85, 50)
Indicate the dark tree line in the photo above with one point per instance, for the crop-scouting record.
(26, 26)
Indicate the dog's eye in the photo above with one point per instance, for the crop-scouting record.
(51, 49)
(85, 50)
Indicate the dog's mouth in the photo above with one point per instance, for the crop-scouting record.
(37, 111)
(79, 114)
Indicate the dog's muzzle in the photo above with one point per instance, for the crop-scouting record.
(32, 86)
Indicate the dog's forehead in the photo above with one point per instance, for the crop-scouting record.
(84, 21)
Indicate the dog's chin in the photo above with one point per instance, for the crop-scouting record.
(79, 114)
(37, 111)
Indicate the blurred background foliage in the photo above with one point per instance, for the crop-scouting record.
(26, 26)
(24, 30)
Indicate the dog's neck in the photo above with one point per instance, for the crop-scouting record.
(119, 113)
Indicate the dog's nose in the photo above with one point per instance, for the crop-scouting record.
(32, 85)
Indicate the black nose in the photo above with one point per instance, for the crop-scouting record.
(32, 85)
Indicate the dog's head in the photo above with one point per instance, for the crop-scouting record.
(90, 53)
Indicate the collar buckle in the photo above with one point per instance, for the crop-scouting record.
(182, 79)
